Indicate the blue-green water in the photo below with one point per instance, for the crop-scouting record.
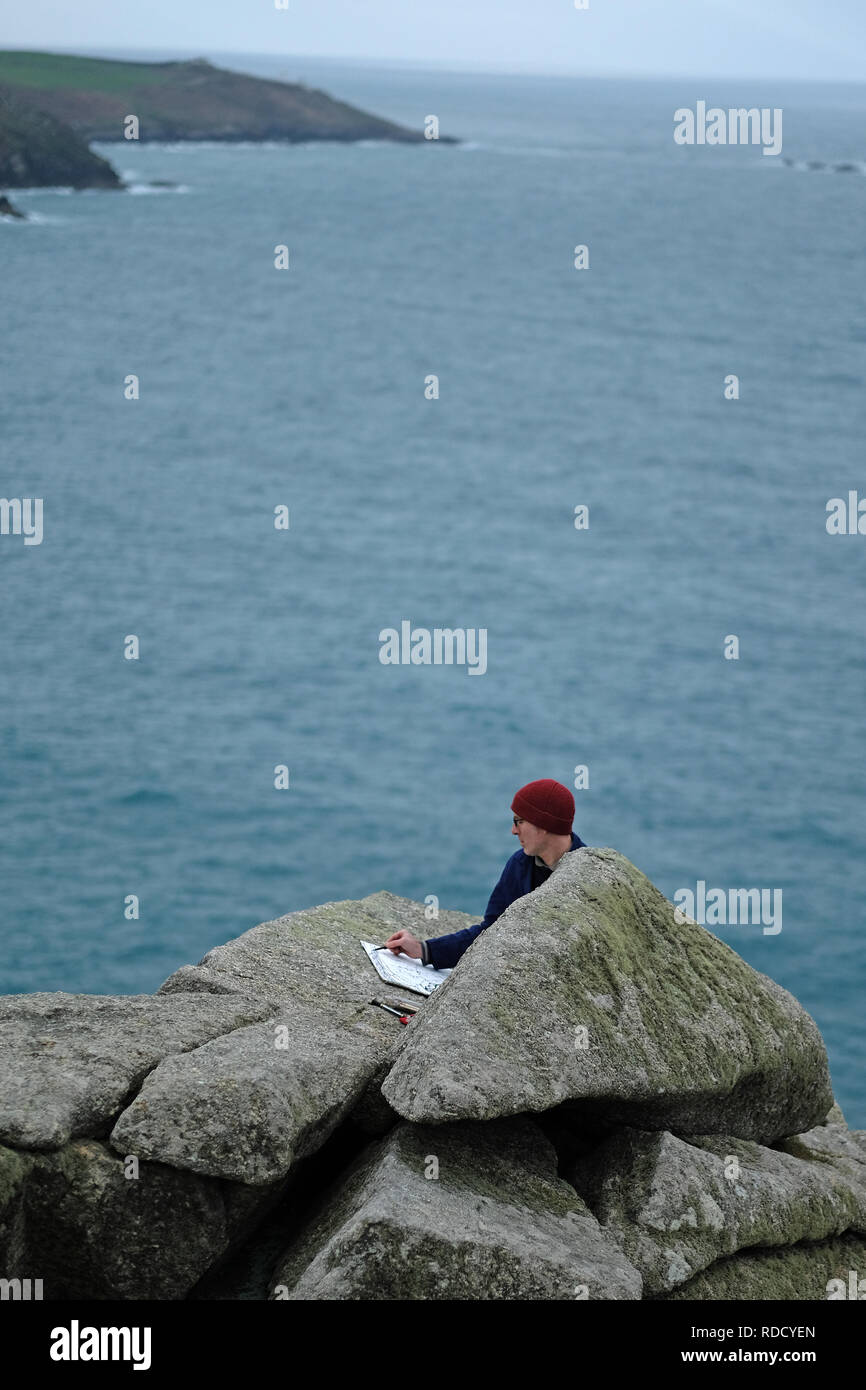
(306, 388)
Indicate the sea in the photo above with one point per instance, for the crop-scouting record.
(619, 473)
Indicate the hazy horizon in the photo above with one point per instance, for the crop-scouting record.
(785, 40)
(169, 53)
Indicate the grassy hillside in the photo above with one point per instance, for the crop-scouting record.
(183, 101)
(55, 70)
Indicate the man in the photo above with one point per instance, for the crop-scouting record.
(543, 813)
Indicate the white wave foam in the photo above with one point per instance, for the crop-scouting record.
(47, 188)
(186, 146)
(34, 219)
(147, 188)
(534, 151)
(823, 166)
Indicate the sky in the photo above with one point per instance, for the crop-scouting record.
(796, 39)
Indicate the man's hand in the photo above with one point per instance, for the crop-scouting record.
(407, 943)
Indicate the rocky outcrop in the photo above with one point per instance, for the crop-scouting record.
(96, 1225)
(313, 956)
(245, 1108)
(676, 1206)
(464, 1212)
(600, 1103)
(802, 1273)
(70, 1060)
(53, 104)
(590, 994)
(38, 150)
(191, 100)
(250, 1105)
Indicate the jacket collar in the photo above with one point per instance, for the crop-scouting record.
(529, 859)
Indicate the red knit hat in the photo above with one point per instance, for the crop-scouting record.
(547, 804)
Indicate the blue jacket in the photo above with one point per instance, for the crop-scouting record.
(516, 880)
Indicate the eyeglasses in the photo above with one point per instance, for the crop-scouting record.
(517, 820)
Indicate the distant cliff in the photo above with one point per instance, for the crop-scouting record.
(183, 101)
(36, 150)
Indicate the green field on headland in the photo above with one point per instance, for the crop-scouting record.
(192, 100)
(60, 70)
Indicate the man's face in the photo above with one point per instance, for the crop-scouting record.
(529, 835)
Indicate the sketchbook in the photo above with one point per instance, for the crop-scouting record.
(404, 971)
